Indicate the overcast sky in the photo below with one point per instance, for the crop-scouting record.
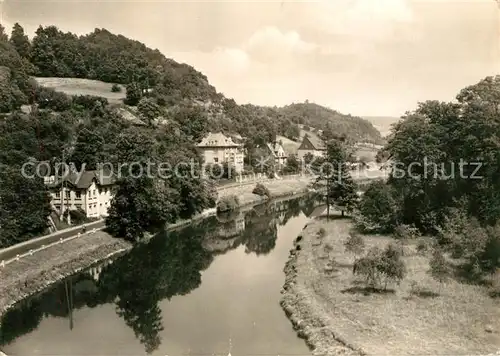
(364, 57)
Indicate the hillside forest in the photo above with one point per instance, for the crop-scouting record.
(42, 124)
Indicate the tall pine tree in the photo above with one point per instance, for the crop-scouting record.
(20, 41)
(335, 175)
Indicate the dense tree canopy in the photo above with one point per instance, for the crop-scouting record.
(457, 150)
(446, 176)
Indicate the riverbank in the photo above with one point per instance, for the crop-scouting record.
(277, 188)
(330, 309)
(32, 274)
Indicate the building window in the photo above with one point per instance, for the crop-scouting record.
(78, 195)
(58, 207)
(68, 194)
(58, 194)
(94, 192)
(216, 160)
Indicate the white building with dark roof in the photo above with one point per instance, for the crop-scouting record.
(90, 191)
(218, 148)
(278, 153)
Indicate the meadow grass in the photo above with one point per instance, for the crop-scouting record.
(421, 316)
(78, 86)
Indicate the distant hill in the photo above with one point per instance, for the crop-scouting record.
(382, 123)
(323, 118)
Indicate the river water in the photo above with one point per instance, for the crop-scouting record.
(208, 289)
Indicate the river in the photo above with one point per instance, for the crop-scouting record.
(207, 289)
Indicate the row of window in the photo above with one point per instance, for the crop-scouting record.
(78, 194)
(80, 206)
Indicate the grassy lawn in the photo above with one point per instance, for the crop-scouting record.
(77, 86)
(421, 316)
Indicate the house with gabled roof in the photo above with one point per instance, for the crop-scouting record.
(313, 145)
(217, 148)
(277, 152)
(90, 191)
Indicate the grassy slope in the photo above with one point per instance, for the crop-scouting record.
(455, 321)
(77, 86)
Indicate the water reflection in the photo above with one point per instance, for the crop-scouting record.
(169, 265)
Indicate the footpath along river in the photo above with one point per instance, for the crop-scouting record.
(208, 289)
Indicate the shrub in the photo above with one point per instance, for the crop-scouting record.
(48, 98)
(468, 240)
(355, 244)
(393, 266)
(422, 247)
(328, 249)
(439, 268)
(406, 232)
(381, 266)
(262, 190)
(219, 171)
(378, 210)
(116, 88)
(495, 284)
(228, 203)
(88, 102)
(78, 216)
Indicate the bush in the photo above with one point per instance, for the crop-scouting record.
(78, 216)
(495, 284)
(406, 232)
(88, 102)
(219, 171)
(328, 249)
(355, 244)
(467, 239)
(262, 190)
(378, 210)
(48, 98)
(439, 268)
(381, 266)
(116, 88)
(422, 247)
(228, 203)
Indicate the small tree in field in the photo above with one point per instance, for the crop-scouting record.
(328, 249)
(354, 244)
(367, 267)
(393, 267)
(381, 267)
(439, 268)
(115, 88)
(335, 175)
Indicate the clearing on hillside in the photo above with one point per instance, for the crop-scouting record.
(78, 86)
(289, 146)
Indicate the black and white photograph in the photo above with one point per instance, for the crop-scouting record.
(249, 178)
